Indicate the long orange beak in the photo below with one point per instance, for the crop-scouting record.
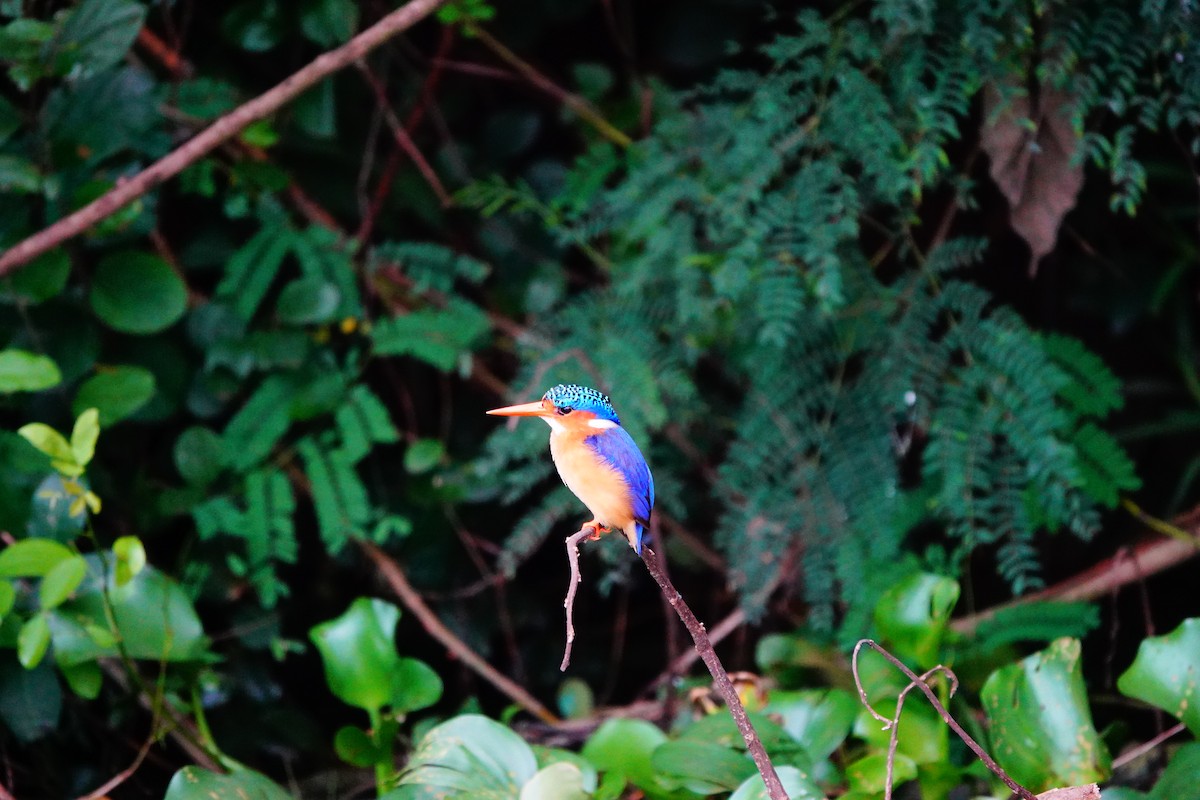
(537, 409)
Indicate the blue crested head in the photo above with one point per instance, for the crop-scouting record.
(571, 397)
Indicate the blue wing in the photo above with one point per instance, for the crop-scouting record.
(617, 447)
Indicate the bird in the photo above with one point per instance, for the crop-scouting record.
(596, 458)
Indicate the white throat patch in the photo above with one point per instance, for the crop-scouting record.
(555, 425)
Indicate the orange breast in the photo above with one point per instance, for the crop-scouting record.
(593, 480)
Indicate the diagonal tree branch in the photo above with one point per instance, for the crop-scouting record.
(211, 137)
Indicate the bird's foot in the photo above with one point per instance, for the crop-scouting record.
(597, 527)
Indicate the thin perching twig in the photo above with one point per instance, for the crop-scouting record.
(919, 682)
(211, 137)
(704, 647)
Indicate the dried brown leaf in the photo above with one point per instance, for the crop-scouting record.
(1031, 164)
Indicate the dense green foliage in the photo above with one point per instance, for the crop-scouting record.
(797, 284)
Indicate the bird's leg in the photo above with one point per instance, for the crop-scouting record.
(597, 528)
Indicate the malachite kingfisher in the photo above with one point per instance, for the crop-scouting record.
(596, 458)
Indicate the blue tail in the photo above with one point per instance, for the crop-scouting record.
(642, 535)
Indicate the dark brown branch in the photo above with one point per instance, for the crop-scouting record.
(720, 677)
(412, 600)
(919, 682)
(569, 602)
(211, 137)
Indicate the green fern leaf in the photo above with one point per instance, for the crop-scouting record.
(436, 336)
(362, 421)
(1092, 390)
(253, 268)
(339, 497)
(1104, 466)
(254, 431)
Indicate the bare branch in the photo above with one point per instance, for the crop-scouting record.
(211, 137)
(919, 682)
(398, 581)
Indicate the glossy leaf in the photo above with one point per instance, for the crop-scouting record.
(922, 735)
(1166, 673)
(31, 558)
(199, 455)
(61, 581)
(356, 747)
(797, 784)
(8, 597)
(1042, 730)
(85, 678)
(131, 558)
(561, 781)
(423, 455)
(22, 371)
(361, 664)
(116, 392)
(575, 699)
(701, 767)
(55, 512)
(820, 719)
(33, 640)
(98, 33)
(137, 293)
(625, 746)
(307, 301)
(869, 773)
(47, 440)
(912, 617)
(153, 615)
(195, 783)
(84, 436)
(44, 277)
(471, 756)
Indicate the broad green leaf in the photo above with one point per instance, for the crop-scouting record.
(131, 558)
(316, 111)
(137, 293)
(30, 699)
(196, 783)
(797, 784)
(354, 746)
(308, 300)
(561, 781)
(199, 455)
(48, 440)
(328, 22)
(423, 455)
(701, 767)
(31, 558)
(56, 512)
(415, 685)
(255, 25)
(22, 371)
(912, 617)
(869, 773)
(819, 719)
(921, 734)
(61, 580)
(84, 678)
(33, 640)
(625, 746)
(1166, 672)
(359, 653)
(43, 278)
(1042, 731)
(115, 392)
(1178, 780)
(19, 175)
(98, 33)
(8, 596)
(84, 436)
(154, 617)
(471, 756)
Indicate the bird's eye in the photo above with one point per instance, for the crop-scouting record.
(562, 410)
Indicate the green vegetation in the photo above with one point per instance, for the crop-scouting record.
(897, 296)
